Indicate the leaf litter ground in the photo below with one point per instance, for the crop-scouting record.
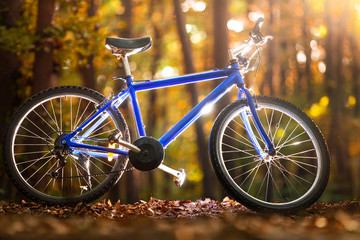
(165, 219)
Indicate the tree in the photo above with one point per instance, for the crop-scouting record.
(267, 82)
(355, 69)
(307, 50)
(208, 183)
(87, 70)
(43, 63)
(334, 78)
(221, 45)
(153, 96)
(9, 62)
(9, 75)
(131, 183)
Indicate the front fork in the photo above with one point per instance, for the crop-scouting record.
(244, 116)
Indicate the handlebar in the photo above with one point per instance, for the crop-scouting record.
(245, 52)
(256, 38)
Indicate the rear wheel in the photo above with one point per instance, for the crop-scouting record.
(36, 129)
(292, 179)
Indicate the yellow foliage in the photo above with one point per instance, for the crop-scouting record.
(201, 97)
(351, 101)
(354, 149)
(208, 126)
(318, 109)
(182, 104)
(194, 174)
(324, 101)
(280, 132)
(319, 31)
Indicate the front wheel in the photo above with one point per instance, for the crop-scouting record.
(293, 179)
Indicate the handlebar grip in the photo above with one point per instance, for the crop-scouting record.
(256, 35)
(258, 25)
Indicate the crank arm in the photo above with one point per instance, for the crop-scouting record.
(179, 176)
(128, 145)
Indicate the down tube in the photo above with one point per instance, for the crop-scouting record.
(196, 112)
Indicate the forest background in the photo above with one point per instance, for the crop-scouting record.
(313, 62)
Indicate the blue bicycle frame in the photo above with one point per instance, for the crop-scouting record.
(231, 77)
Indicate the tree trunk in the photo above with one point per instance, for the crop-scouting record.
(283, 68)
(221, 46)
(9, 63)
(334, 77)
(208, 183)
(153, 110)
(43, 64)
(9, 74)
(88, 70)
(267, 84)
(308, 73)
(130, 182)
(355, 72)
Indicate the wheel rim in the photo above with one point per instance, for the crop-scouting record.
(288, 177)
(33, 142)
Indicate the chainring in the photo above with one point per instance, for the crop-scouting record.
(150, 156)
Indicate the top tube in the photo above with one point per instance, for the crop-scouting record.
(185, 79)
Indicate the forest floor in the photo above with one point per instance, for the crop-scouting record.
(164, 219)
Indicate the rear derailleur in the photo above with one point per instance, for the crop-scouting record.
(60, 152)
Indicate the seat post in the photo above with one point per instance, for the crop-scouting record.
(126, 64)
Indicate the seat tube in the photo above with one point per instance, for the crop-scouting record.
(136, 109)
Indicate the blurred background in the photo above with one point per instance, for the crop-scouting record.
(313, 62)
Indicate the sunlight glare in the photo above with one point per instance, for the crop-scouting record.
(168, 71)
(207, 108)
(301, 57)
(254, 16)
(235, 25)
(322, 67)
(199, 6)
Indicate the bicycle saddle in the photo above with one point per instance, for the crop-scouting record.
(127, 46)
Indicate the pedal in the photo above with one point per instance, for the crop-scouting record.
(179, 176)
(180, 179)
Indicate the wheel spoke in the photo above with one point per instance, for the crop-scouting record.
(237, 159)
(56, 122)
(46, 174)
(44, 120)
(238, 140)
(243, 151)
(246, 131)
(247, 140)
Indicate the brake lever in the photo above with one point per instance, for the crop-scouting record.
(266, 39)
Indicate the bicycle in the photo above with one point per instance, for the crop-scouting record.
(69, 144)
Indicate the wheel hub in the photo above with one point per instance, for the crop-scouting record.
(59, 147)
(268, 159)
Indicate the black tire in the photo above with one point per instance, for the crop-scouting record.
(291, 180)
(29, 143)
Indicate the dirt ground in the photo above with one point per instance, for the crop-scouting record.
(181, 220)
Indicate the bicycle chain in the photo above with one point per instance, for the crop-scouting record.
(97, 174)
